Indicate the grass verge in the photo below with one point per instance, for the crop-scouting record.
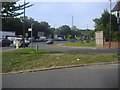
(25, 59)
(90, 44)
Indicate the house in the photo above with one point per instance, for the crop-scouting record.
(116, 9)
(116, 12)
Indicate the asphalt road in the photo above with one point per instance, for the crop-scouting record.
(44, 46)
(98, 76)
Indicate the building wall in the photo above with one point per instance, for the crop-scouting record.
(99, 38)
(3, 34)
(115, 13)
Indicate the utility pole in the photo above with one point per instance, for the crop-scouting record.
(24, 27)
(118, 16)
(110, 25)
(87, 26)
(0, 17)
(72, 20)
(72, 27)
(87, 31)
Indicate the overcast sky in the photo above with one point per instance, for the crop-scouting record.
(60, 13)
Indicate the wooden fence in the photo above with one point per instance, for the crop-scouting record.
(113, 44)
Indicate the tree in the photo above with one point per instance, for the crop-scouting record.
(9, 9)
(16, 24)
(10, 21)
(103, 24)
(97, 24)
(52, 31)
(74, 31)
(65, 30)
(36, 28)
(45, 27)
(57, 31)
(12, 24)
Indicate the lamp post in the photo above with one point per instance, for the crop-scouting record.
(30, 29)
(72, 26)
(110, 25)
(24, 27)
(118, 16)
(31, 35)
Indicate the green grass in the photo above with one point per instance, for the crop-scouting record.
(90, 44)
(24, 59)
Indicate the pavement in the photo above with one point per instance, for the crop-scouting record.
(97, 76)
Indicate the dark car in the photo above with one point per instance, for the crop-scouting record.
(50, 41)
(5, 42)
(72, 40)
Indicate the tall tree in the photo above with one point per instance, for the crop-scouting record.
(65, 30)
(45, 27)
(103, 24)
(12, 24)
(74, 31)
(9, 9)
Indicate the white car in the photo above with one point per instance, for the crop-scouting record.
(42, 39)
(19, 41)
(49, 41)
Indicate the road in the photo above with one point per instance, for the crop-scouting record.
(98, 76)
(44, 46)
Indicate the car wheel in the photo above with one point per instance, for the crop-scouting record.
(26, 45)
(3, 45)
(8, 45)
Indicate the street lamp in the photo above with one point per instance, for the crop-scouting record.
(24, 27)
(31, 29)
(110, 25)
(72, 25)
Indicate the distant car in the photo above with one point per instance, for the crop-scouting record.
(59, 38)
(42, 39)
(49, 41)
(5, 42)
(19, 41)
(72, 40)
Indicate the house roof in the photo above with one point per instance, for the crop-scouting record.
(117, 7)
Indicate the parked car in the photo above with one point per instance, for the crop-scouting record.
(60, 39)
(42, 39)
(72, 40)
(19, 41)
(49, 41)
(5, 42)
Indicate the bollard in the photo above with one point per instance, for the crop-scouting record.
(17, 46)
(36, 47)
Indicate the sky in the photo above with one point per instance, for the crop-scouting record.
(60, 13)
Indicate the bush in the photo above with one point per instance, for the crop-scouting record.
(115, 35)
